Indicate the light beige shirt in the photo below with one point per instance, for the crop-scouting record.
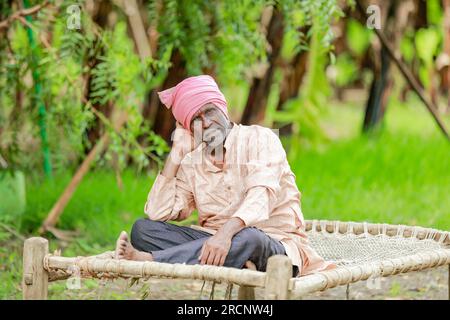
(256, 184)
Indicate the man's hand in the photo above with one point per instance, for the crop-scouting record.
(183, 143)
(215, 250)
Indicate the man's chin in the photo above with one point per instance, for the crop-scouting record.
(212, 144)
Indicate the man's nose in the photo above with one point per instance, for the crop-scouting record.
(206, 122)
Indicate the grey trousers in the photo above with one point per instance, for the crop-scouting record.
(180, 244)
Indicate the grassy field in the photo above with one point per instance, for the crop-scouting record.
(401, 175)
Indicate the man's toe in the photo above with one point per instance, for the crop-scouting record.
(123, 236)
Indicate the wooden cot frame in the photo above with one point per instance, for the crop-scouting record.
(40, 267)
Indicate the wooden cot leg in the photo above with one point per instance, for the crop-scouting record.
(246, 293)
(35, 277)
(278, 274)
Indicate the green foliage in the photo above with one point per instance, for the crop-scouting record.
(211, 35)
(222, 37)
(427, 45)
(237, 43)
(358, 37)
(293, 42)
(427, 41)
(226, 36)
(303, 112)
(407, 47)
(346, 70)
(117, 77)
(435, 13)
(10, 265)
(13, 200)
(321, 14)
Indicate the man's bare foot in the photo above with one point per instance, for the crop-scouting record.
(250, 265)
(124, 250)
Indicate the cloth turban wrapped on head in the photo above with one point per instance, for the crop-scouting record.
(188, 96)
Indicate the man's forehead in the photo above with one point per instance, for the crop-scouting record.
(204, 108)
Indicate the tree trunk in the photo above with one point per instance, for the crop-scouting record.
(379, 92)
(445, 71)
(421, 15)
(164, 123)
(381, 86)
(136, 25)
(292, 79)
(255, 108)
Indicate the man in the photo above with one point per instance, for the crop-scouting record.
(238, 179)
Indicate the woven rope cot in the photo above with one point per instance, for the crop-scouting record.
(361, 251)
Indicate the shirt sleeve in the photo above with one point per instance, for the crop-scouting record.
(170, 198)
(266, 162)
(255, 207)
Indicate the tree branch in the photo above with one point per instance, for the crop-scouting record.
(21, 13)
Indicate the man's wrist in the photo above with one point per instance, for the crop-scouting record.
(230, 228)
(223, 234)
(171, 165)
(176, 156)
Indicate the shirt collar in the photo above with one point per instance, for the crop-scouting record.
(230, 137)
(209, 166)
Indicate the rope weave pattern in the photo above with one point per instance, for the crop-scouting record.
(348, 249)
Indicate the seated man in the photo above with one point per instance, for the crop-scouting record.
(238, 179)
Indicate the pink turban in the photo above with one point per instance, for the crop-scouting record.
(188, 96)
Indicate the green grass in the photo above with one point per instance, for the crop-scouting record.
(99, 209)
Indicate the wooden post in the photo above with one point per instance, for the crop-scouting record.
(278, 274)
(35, 277)
(246, 293)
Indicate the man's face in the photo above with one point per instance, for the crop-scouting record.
(210, 125)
